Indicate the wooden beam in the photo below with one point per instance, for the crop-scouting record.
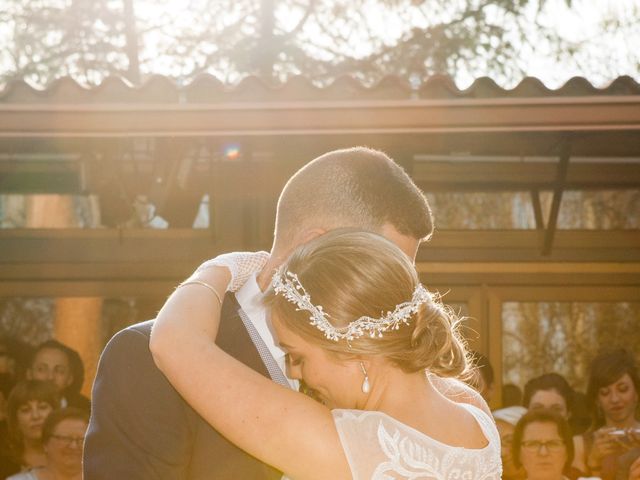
(558, 274)
(537, 209)
(149, 262)
(477, 175)
(592, 144)
(125, 280)
(586, 114)
(265, 178)
(558, 189)
(136, 246)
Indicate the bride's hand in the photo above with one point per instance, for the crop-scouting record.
(190, 317)
(241, 265)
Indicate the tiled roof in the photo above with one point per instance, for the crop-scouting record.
(208, 89)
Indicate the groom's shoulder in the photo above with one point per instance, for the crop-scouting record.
(142, 328)
(132, 341)
(136, 337)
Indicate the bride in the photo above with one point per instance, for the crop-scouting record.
(369, 341)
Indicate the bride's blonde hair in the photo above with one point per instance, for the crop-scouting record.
(354, 273)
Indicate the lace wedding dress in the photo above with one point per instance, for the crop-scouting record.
(378, 447)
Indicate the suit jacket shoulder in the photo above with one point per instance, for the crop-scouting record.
(141, 428)
(139, 425)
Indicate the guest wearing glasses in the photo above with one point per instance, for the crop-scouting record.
(543, 445)
(62, 437)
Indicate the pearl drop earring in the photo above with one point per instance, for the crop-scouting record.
(366, 388)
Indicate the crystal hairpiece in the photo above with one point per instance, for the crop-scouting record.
(287, 284)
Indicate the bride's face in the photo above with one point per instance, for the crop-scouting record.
(335, 382)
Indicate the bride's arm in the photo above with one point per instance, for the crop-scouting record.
(275, 424)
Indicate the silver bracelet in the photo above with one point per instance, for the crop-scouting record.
(198, 282)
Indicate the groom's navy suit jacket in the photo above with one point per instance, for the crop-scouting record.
(142, 429)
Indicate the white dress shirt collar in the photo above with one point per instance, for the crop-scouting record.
(250, 299)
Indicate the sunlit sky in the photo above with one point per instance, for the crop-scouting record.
(580, 24)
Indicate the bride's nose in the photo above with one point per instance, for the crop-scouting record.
(294, 371)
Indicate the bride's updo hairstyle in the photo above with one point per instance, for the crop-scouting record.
(352, 274)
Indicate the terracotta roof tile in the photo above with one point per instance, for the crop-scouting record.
(208, 89)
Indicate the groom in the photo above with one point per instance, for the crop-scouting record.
(140, 427)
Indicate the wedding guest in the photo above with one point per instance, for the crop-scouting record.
(60, 364)
(30, 403)
(543, 445)
(549, 391)
(612, 393)
(62, 438)
(506, 420)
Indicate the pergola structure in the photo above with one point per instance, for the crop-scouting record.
(168, 143)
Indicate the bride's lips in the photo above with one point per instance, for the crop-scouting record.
(317, 396)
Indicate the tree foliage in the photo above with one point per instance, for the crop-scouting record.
(274, 39)
(564, 337)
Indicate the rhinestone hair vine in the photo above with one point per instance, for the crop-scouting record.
(286, 283)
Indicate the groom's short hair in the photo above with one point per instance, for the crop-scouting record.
(355, 187)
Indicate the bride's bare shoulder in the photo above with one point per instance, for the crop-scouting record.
(458, 391)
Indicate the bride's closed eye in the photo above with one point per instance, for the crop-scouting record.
(293, 360)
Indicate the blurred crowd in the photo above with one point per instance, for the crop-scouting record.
(43, 415)
(550, 431)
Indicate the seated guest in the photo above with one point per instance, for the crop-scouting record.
(551, 392)
(30, 403)
(506, 420)
(62, 437)
(612, 393)
(61, 365)
(543, 445)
